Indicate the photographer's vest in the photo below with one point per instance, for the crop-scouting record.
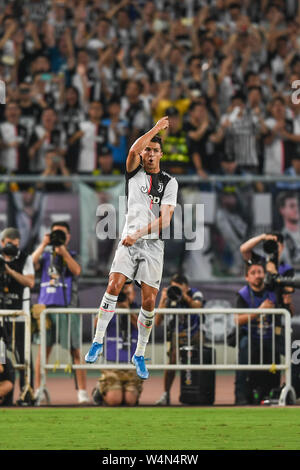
(11, 289)
(254, 301)
(60, 290)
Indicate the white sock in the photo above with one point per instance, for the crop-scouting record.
(145, 322)
(106, 312)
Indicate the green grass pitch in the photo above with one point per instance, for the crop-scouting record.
(150, 428)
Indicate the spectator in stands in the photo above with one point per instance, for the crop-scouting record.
(190, 298)
(105, 167)
(30, 111)
(58, 288)
(279, 141)
(92, 134)
(133, 111)
(54, 165)
(117, 386)
(13, 135)
(119, 130)
(46, 136)
(176, 158)
(199, 128)
(70, 116)
(240, 129)
(294, 171)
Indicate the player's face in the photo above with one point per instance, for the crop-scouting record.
(151, 156)
(255, 277)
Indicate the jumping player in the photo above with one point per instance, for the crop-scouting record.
(151, 200)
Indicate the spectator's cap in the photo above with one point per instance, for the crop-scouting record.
(104, 151)
(10, 232)
(172, 111)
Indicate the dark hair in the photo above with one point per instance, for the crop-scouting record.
(251, 263)
(61, 224)
(249, 74)
(180, 279)
(158, 140)
(194, 105)
(239, 96)
(283, 196)
(251, 88)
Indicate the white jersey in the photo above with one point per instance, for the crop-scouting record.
(146, 192)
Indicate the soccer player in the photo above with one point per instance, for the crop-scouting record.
(151, 200)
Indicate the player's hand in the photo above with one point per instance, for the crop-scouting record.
(129, 240)
(163, 123)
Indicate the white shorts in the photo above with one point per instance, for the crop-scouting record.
(141, 262)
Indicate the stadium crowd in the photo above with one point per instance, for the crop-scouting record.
(85, 78)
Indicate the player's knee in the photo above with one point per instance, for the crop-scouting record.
(149, 302)
(114, 286)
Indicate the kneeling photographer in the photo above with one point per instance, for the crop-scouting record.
(59, 288)
(178, 295)
(16, 279)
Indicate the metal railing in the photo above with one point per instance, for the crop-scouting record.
(164, 364)
(192, 179)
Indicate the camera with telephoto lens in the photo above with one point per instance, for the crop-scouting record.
(174, 294)
(9, 250)
(57, 238)
(274, 281)
(270, 247)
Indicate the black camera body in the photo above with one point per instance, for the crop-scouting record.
(57, 238)
(274, 281)
(9, 250)
(270, 247)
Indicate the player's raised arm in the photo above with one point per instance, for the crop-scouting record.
(133, 158)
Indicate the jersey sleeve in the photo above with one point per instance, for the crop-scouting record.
(170, 194)
(28, 266)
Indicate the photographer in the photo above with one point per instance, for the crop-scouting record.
(178, 295)
(120, 387)
(273, 246)
(16, 279)
(256, 295)
(58, 288)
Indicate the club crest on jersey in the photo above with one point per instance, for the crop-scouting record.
(160, 187)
